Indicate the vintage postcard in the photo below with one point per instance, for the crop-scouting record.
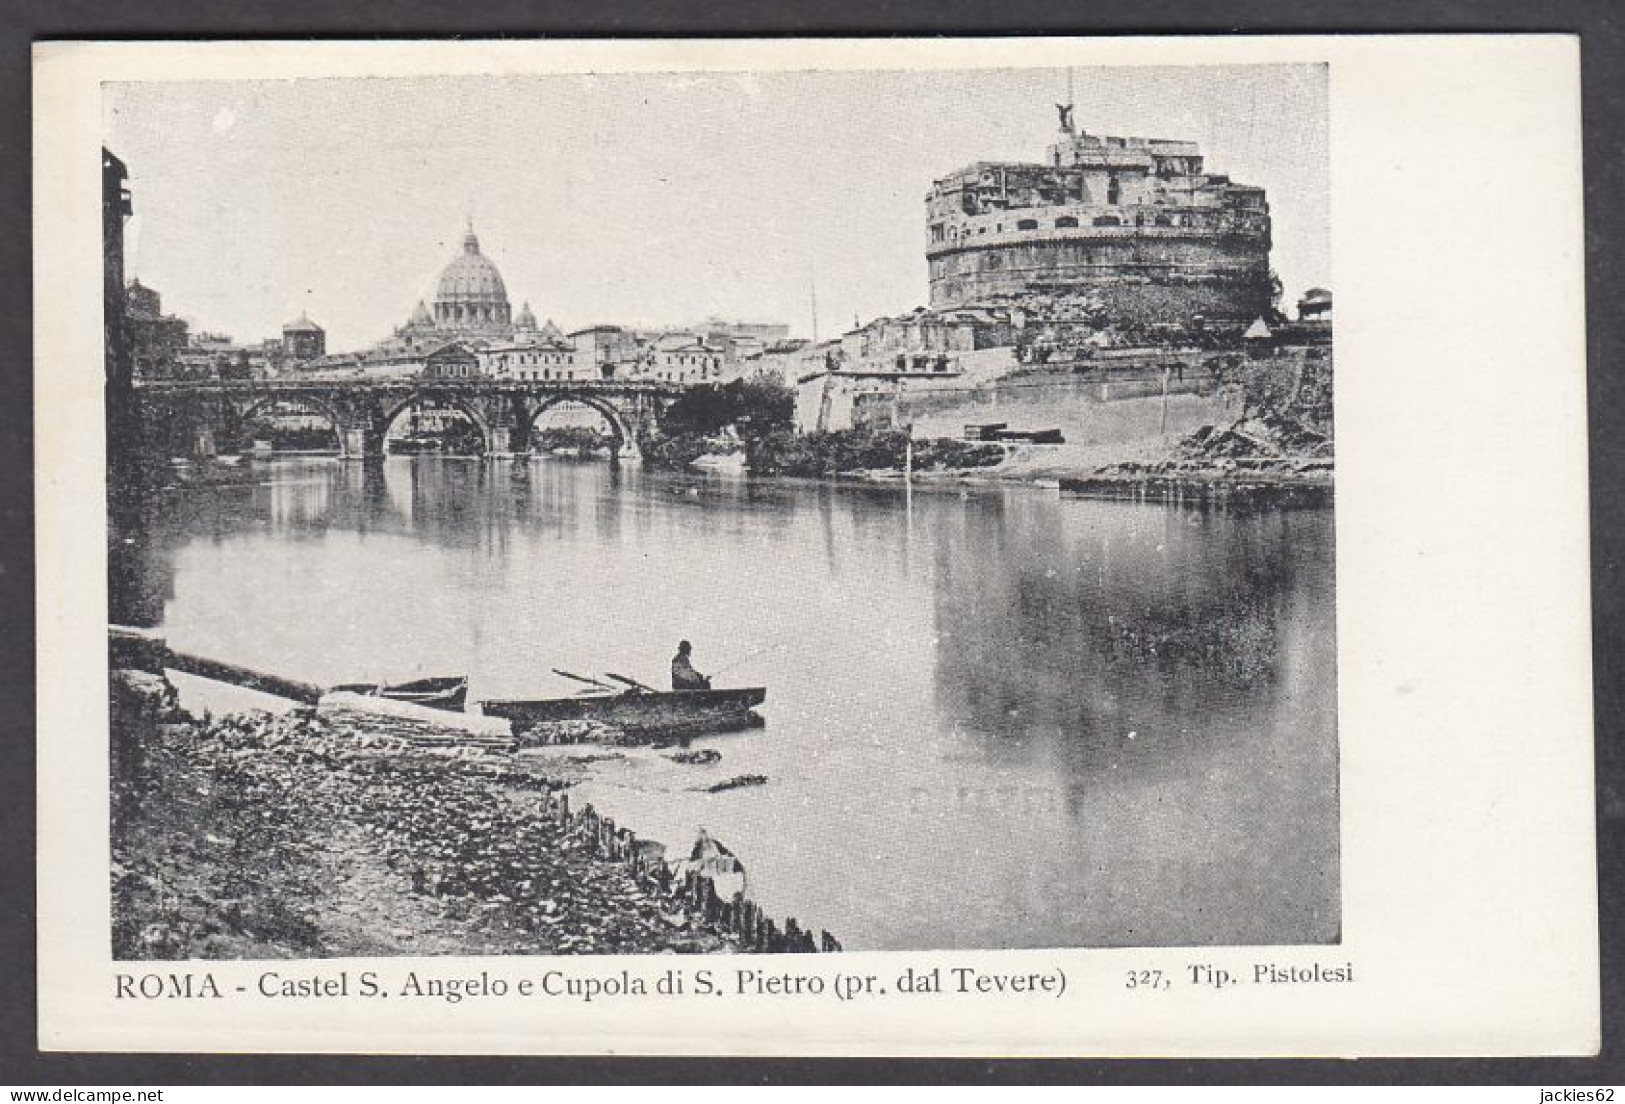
(824, 547)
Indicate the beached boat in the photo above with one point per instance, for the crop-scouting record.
(437, 693)
(636, 710)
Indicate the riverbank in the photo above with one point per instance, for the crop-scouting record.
(1029, 465)
(1247, 460)
(1255, 461)
(318, 834)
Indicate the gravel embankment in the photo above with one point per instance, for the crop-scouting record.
(253, 835)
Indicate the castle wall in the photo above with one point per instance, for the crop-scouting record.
(1088, 414)
(1134, 221)
(1090, 411)
(1150, 275)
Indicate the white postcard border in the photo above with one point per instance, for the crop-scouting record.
(1469, 897)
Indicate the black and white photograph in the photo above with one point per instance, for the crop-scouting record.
(720, 513)
(813, 548)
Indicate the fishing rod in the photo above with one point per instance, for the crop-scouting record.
(747, 658)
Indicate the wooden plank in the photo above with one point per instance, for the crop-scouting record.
(246, 677)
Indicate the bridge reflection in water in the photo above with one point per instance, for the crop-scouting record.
(995, 718)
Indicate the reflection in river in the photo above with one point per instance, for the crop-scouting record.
(995, 718)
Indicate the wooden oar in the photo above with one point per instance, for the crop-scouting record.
(583, 678)
(634, 683)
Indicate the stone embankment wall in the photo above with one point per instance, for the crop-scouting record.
(1087, 412)
(1114, 398)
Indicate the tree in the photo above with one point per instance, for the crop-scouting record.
(755, 405)
(756, 408)
(1292, 390)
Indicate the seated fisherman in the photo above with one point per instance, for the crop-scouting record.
(683, 674)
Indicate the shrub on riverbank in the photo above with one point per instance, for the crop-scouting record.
(822, 454)
(712, 418)
(949, 454)
(585, 440)
(680, 451)
(1293, 391)
(758, 415)
(289, 438)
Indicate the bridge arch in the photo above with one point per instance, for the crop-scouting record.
(442, 398)
(310, 404)
(187, 418)
(626, 443)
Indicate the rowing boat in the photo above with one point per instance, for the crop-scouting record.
(450, 692)
(635, 710)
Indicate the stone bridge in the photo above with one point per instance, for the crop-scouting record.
(193, 417)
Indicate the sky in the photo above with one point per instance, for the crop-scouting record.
(640, 199)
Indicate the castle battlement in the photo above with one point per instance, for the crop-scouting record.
(1102, 214)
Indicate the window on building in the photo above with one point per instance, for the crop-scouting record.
(1027, 224)
(1114, 191)
(1108, 220)
(1065, 222)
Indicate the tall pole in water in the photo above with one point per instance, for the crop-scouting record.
(1162, 428)
(908, 482)
(812, 291)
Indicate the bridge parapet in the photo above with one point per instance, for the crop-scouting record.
(392, 386)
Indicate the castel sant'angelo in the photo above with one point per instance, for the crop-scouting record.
(1136, 223)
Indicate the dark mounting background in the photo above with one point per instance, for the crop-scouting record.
(1601, 24)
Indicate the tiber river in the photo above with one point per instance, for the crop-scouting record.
(995, 718)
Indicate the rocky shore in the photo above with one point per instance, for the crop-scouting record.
(314, 834)
(1254, 461)
(1251, 461)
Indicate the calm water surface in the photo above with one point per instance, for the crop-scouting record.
(995, 718)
